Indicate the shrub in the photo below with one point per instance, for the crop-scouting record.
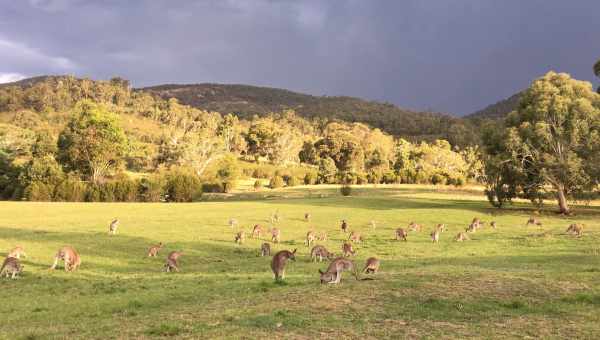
(212, 187)
(182, 186)
(346, 190)
(228, 186)
(107, 192)
(257, 184)
(293, 181)
(38, 191)
(276, 182)
(310, 178)
(70, 190)
(438, 179)
(125, 189)
(390, 177)
(228, 172)
(152, 189)
(92, 194)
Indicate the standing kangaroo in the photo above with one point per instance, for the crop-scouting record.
(344, 226)
(435, 236)
(112, 228)
(70, 257)
(279, 262)
(534, 221)
(347, 249)
(372, 266)
(412, 226)
(265, 249)
(17, 252)
(320, 252)
(240, 237)
(257, 231)
(153, 251)
(311, 236)
(306, 217)
(172, 264)
(355, 237)
(275, 235)
(461, 237)
(401, 234)
(335, 269)
(322, 236)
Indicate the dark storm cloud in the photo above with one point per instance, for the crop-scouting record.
(453, 56)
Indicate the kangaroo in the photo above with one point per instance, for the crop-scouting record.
(435, 236)
(112, 228)
(240, 237)
(279, 262)
(372, 266)
(534, 221)
(233, 222)
(471, 228)
(307, 217)
(344, 226)
(265, 249)
(441, 227)
(575, 229)
(17, 252)
(322, 236)
(171, 265)
(476, 222)
(275, 217)
(347, 249)
(401, 234)
(461, 237)
(311, 236)
(335, 269)
(355, 237)
(12, 267)
(373, 224)
(412, 226)
(320, 252)
(70, 257)
(275, 235)
(174, 255)
(153, 251)
(257, 231)
(493, 224)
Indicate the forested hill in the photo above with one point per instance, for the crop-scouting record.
(498, 110)
(246, 101)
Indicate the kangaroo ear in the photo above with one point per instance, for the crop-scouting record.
(321, 272)
(294, 252)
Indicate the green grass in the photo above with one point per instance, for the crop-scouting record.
(512, 282)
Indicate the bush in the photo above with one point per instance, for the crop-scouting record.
(38, 191)
(107, 192)
(152, 189)
(125, 189)
(390, 178)
(257, 184)
(438, 179)
(310, 178)
(70, 190)
(212, 187)
(228, 186)
(260, 172)
(276, 182)
(293, 181)
(346, 190)
(182, 186)
(92, 194)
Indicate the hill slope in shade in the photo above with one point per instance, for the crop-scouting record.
(498, 110)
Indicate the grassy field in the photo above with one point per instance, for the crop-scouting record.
(513, 282)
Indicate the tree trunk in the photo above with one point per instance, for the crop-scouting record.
(563, 205)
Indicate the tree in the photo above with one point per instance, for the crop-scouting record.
(553, 139)
(597, 71)
(92, 143)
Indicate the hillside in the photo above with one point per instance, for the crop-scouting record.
(246, 101)
(497, 110)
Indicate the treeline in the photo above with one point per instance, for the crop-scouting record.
(70, 139)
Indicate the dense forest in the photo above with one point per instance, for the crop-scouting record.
(64, 138)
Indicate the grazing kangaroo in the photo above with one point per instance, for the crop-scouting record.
(534, 221)
(307, 217)
(322, 236)
(320, 252)
(70, 257)
(575, 229)
(344, 226)
(174, 255)
(493, 224)
(153, 251)
(347, 249)
(471, 228)
(12, 267)
(372, 266)
(461, 237)
(335, 269)
(279, 262)
(17, 252)
(265, 249)
(275, 235)
(240, 237)
(311, 237)
(477, 223)
(233, 222)
(401, 234)
(112, 228)
(435, 236)
(355, 237)
(171, 265)
(257, 231)
(412, 226)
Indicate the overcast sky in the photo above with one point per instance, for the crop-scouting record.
(452, 56)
